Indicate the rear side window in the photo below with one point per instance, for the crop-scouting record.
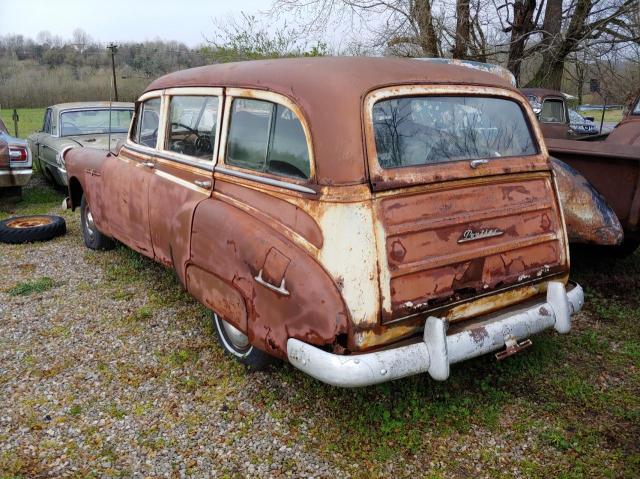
(414, 131)
(192, 125)
(552, 111)
(46, 127)
(147, 123)
(267, 137)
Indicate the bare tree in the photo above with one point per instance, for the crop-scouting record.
(461, 46)
(588, 23)
(407, 27)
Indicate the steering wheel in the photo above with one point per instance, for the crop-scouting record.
(203, 144)
(186, 127)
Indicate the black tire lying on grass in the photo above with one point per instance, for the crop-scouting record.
(25, 229)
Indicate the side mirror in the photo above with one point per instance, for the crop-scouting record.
(589, 118)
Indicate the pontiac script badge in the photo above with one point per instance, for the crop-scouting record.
(470, 235)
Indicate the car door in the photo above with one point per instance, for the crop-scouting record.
(183, 175)
(36, 140)
(48, 151)
(126, 178)
(553, 118)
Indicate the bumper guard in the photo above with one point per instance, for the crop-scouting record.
(438, 350)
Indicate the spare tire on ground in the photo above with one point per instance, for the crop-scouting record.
(25, 229)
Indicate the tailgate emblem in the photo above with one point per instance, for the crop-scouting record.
(470, 235)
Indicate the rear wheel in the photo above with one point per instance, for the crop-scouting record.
(236, 344)
(93, 238)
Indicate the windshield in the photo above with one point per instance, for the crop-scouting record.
(94, 122)
(416, 131)
(575, 117)
(636, 110)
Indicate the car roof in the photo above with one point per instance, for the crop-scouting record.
(91, 105)
(348, 74)
(542, 92)
(329, 92)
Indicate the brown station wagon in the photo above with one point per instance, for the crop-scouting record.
(365, 219)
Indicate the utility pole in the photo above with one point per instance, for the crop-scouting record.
(114, 48)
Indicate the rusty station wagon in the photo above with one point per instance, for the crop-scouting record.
(365, 219)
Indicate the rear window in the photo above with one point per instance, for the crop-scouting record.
(552, 111)
(267, 137)
(414, 131)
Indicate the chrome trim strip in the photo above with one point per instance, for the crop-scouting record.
(181, 182)
(266, 181)
(16, 172)
(167, 156)
(184, 161)
(145, 150)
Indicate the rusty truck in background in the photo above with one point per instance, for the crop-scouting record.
(365, 219)
(611, 164)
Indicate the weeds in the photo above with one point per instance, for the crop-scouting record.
(31, 287)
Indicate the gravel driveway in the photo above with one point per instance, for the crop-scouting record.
(95, 382)
(107, 369)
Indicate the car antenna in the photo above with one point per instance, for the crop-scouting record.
(109, 134)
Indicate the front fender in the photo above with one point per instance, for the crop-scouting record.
(588, 216)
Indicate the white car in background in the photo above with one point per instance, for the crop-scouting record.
(96, 124)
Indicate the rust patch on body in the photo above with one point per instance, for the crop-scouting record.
(478, 334)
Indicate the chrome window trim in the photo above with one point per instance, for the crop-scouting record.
(136, 110)
(165, 155)
(264, 180)
(145, 150)
(167, 95)
(230, 94)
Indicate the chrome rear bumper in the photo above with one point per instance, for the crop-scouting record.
(15, 177)
(438, 350)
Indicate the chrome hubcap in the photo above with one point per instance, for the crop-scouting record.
(237, 339)
(89, 224)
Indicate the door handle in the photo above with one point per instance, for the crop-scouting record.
(148, 164)
(203, 184)
(475, 163)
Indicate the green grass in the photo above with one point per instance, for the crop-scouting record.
(30, 120)
(25, 288)
(611, 116)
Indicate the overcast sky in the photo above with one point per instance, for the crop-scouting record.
(122, 20)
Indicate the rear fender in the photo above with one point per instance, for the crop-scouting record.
(588, 217)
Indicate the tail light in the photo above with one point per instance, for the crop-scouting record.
(18, 154)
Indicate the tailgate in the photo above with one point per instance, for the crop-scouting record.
(446, 243)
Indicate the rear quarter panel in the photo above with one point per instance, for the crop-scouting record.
(230, 245)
